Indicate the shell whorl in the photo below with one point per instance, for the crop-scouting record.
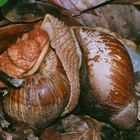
(43, 96)
(110, 75)
(62, 41)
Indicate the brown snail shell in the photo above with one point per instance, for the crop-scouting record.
(54, 89)
(107, 80)
(66, 47)
(43, 96)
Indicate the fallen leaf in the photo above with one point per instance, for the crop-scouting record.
(76, 7)
(50, 134)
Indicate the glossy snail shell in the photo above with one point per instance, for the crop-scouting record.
(63, 41)
(107, 79)
(43, 96)
(54, 89)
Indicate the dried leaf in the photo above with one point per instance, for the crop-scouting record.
(125, 1)
(136, 2)
(32, 10)
(137, 90)
(13, 29)
(134, 134)
(87, 128)
(77, 128)
(76, 7)
(50, 134)
(23, 133)
(4, 22)
(23, 11)
(114, 17)
(5, 135)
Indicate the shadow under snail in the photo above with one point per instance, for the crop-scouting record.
(90, 62)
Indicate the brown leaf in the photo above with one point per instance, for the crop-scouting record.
(50, 134)
(5, 135)
(23, 133)
(31, 11)
(137, 91)
(126, 1)
(21, 11)
(13, 29)
(134, 134)
(78, 128)
(4, 22)
(76, 7)
(114, 17)
(87, 128)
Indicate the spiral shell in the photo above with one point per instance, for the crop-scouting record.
(63, 41)
(54, 89)
(107, 79)
(43, 96)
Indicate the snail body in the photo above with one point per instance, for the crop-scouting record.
(107, 79)
(22, 56)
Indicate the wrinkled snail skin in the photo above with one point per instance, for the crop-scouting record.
(43, 96)
(61, 39)
(25, 56)
(106, 79)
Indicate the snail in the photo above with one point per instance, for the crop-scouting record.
(77, 59)
(25, 56)
(106, 74)
(51, 87)
(43, 96)
(107, 78)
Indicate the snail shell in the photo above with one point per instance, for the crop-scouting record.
(66, 47)
(107, 81)
(43, 96)
(54, 89)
